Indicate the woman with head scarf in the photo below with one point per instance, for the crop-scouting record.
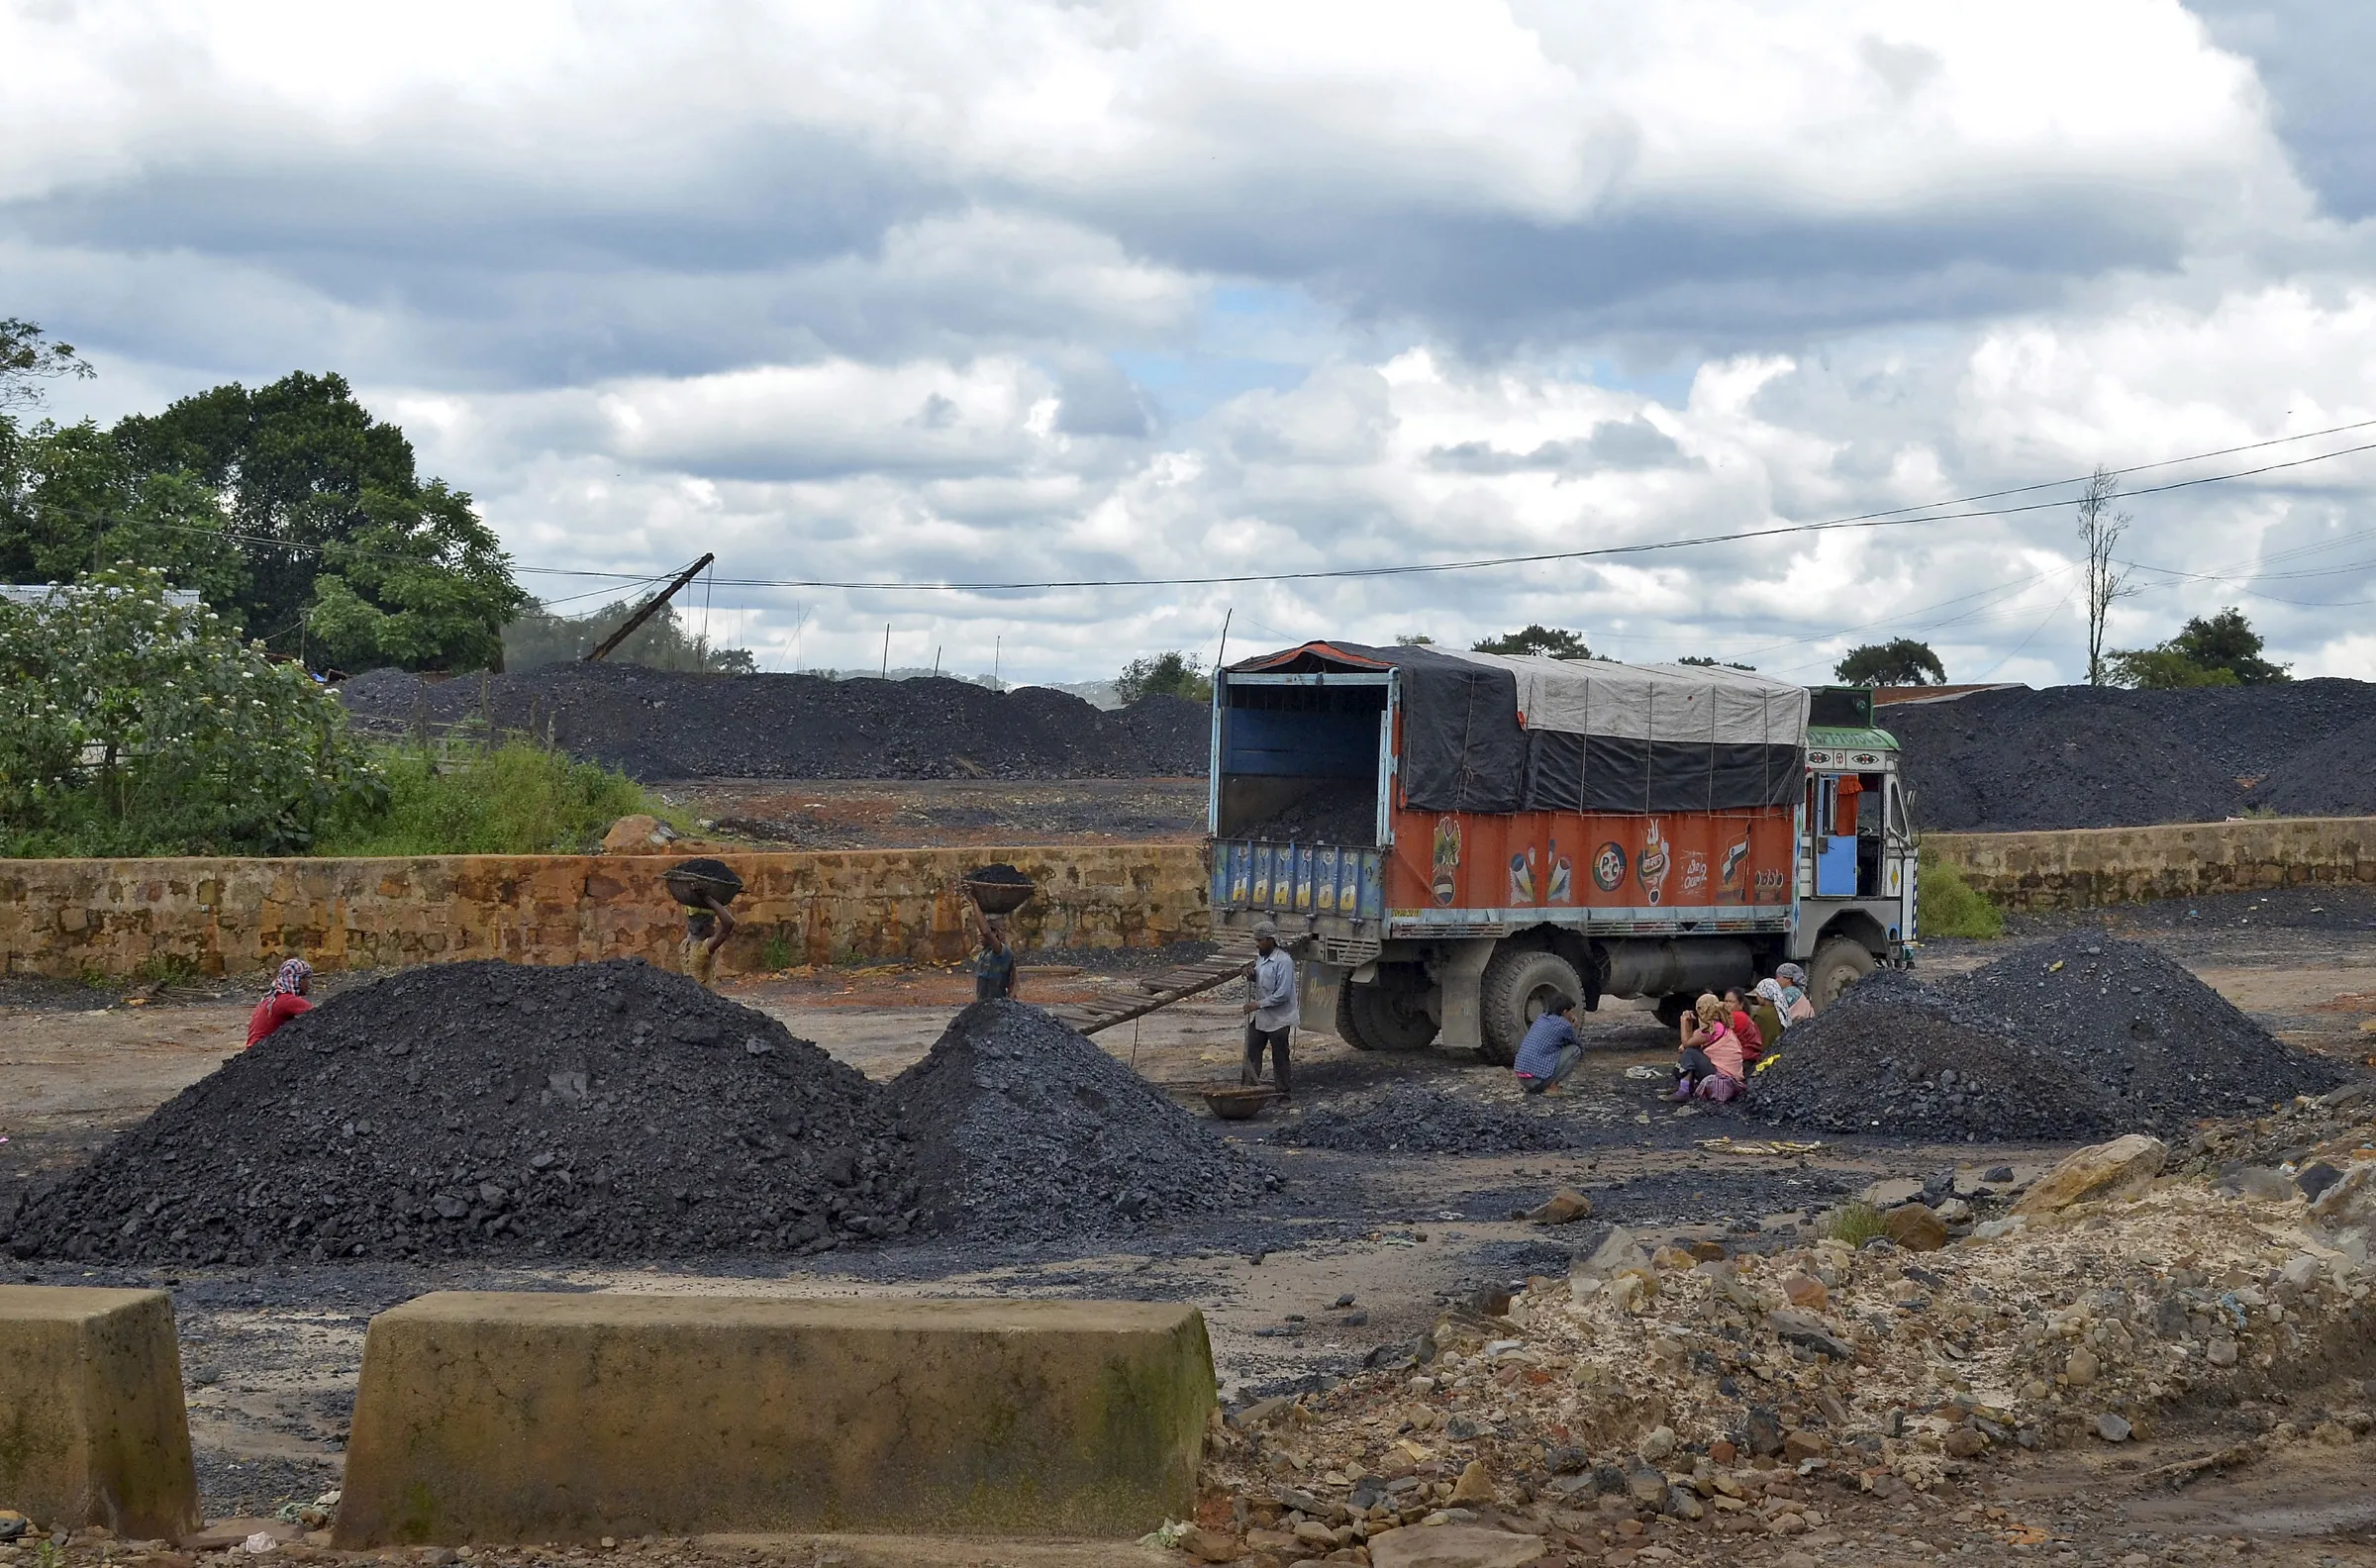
(287, 999)
(1709, 1065)
(1796, 1006)
(1772, 1008)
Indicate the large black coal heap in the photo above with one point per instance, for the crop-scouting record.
(1024, 1129)
(2078, 1035)
(668, 725)
(486, 1108)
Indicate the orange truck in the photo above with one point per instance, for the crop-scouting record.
(1452, 839)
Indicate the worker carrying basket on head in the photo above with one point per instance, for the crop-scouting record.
(704, 888)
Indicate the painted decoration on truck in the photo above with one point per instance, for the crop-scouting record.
(1731, 879)
(1695, 876)
(1324, 883)
(1563, 877)
(1446, 884)
(1609, 866)
(1651, 865)
(1522, 877)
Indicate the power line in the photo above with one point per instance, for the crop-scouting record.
(1870, 519)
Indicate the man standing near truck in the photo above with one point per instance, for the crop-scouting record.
(1270, 1011)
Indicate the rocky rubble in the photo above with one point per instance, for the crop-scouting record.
(1666, 1397)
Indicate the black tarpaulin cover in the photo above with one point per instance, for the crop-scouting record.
(1685, 739)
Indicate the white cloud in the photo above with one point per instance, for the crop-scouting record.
(1055, 291)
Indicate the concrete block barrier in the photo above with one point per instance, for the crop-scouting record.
(92, 1429)
(514, 1417)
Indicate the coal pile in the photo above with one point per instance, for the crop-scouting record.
(1409, 1118)
(2087, 756)
(492, 1109)
(1339, 812)
(2077, 1035)
(668, 725)
(1023, 1129)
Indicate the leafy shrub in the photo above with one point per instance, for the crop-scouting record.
(1949, 905)
(507, 797)
(130, 726)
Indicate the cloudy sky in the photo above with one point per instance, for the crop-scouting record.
(1029, 292)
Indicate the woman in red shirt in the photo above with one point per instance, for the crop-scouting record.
(287, 1001)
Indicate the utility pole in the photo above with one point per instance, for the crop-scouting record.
(998, 645)
(645, 613)
(886, 670)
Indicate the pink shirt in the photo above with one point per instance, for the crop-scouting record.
(1723, 1049)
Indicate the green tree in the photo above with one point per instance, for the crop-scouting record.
(1549, 642)
(27, 357)
(1170, 675)
(2227, 642)
(2161, 670)
(2221, 651)
(71, 503)
(1901, 661)
(1711, 663)
(130, 727)
(345, 545)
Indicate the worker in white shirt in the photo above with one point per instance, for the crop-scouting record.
(1270, 1011)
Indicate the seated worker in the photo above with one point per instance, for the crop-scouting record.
(1796, 1006)
(1550, 1051)
(1709, 1062)
(1746, 1026)
(285, 1002)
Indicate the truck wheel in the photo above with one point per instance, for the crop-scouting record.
(1383, 1018)
(1838, 964)
(1515, 990)
(1671, 1007)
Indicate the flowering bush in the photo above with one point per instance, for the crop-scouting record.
(131, 725)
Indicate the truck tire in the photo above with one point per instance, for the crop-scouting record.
(1838, 964)
(1671, 1007)
(1515, 991)
(1383, 1018)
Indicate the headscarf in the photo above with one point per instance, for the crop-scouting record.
(1791, 974)
(1771, 990)
(1712, 1011)
(291, 977)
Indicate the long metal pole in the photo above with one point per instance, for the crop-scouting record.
(650, 605)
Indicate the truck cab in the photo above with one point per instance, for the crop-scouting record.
(1855, 899)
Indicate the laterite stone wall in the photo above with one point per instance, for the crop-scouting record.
(2084, 867)
(73, 918)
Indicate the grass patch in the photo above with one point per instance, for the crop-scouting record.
(1949, 905)
(506, 797)
(1854, 1223)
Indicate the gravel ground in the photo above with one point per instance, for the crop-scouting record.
(662, 724)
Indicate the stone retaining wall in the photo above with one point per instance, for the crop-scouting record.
(2084, 867)
(69, 919)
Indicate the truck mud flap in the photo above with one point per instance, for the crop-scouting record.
(1458, 972)
(1318, 985)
